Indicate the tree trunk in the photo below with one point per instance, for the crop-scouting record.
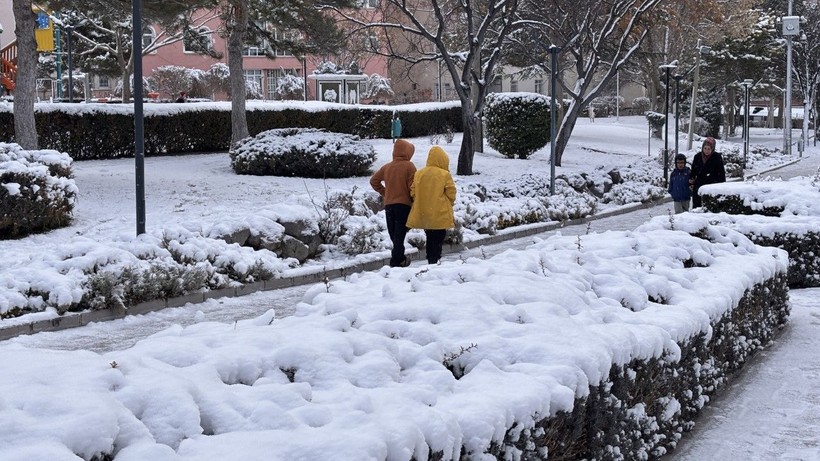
(467, 152)
(25, 91)
(567, 124)
(239, 121)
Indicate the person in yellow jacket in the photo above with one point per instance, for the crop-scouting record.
(434, 194)
(393, 182)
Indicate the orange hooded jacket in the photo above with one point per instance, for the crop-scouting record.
(394, 179)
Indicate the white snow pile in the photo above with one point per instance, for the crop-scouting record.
(389, 365)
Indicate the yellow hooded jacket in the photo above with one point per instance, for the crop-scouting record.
(434, 193)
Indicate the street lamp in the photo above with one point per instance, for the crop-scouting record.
(139, 122)
(677, 78)
(791, 28)
(747, 84)
(668, 68)
(554, 50)
(702, 50)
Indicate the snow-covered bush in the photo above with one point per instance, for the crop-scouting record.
(171, 80)
(290, 87)
(378, 89)
(640, 105)
(656, 121)
(253, 90)
(303, 152)
(517, 124)
(215, 80)
(37, 192)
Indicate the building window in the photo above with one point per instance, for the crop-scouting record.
(198, 41)
(253, 51)
(103, 83)
(513, 85)
(369, 3)
(539, 86)
(288, 35)
(148, 36)
(254, 79)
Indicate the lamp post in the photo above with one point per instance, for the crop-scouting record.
(747, 84)
(554, 50)
(68, 30)
(668, 68)
(702, 50)
(806, 92)
(677, 78)
(791, 28)
(139, 122)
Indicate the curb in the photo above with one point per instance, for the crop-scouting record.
(78, 319)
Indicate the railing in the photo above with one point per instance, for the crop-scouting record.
(8, 68)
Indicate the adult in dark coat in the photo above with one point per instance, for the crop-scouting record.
(707, 168)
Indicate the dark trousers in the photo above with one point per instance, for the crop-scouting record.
(435, 240)
(696, 198)
(396, 215)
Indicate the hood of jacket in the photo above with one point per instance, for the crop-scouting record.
(438, 158)
(403, 150)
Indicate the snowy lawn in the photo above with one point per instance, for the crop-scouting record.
(192, 199)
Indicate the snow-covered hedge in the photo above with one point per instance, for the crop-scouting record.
(303, 152)
(600, 347)
(799, 197)
(37, 192)
(206, 126)
(798, 235)
(517, 124)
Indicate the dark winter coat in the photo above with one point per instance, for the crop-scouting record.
(710, 172)
(679, 184)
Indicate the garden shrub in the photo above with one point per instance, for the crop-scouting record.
(37, 192)
(303, 152)
(656, 121)
(517, 124)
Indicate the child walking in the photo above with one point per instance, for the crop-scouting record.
(679, 187)
(434, 194)
(393, 182)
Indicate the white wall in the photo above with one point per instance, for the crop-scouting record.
(7, 20)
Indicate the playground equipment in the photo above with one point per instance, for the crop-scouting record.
(43, 34)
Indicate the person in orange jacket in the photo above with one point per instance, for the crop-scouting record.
(393, 182)
(434, 194)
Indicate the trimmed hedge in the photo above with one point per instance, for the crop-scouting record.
(303, 152)
(606, 420)
(96, 131)
(36, 191)
(518, 124)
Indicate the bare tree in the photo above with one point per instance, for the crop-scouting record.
(597, 38)
(464, 35)
(25, 91)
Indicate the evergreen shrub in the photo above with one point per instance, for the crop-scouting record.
(37, 192)
(517, 124)
(303, 152)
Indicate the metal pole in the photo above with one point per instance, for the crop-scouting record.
(70, 67)
(692, 105)
(304, 78)
(554, 50)
(677, 110)
(806, 97)
(666, 130)
(745, 123)
(618, 95)
(139, 128)
(59, 63)
(787, 116)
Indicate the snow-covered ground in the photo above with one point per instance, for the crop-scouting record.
(128, 402)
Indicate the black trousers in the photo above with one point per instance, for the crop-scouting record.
(696, 197)
(396, 216)
(435, 240)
